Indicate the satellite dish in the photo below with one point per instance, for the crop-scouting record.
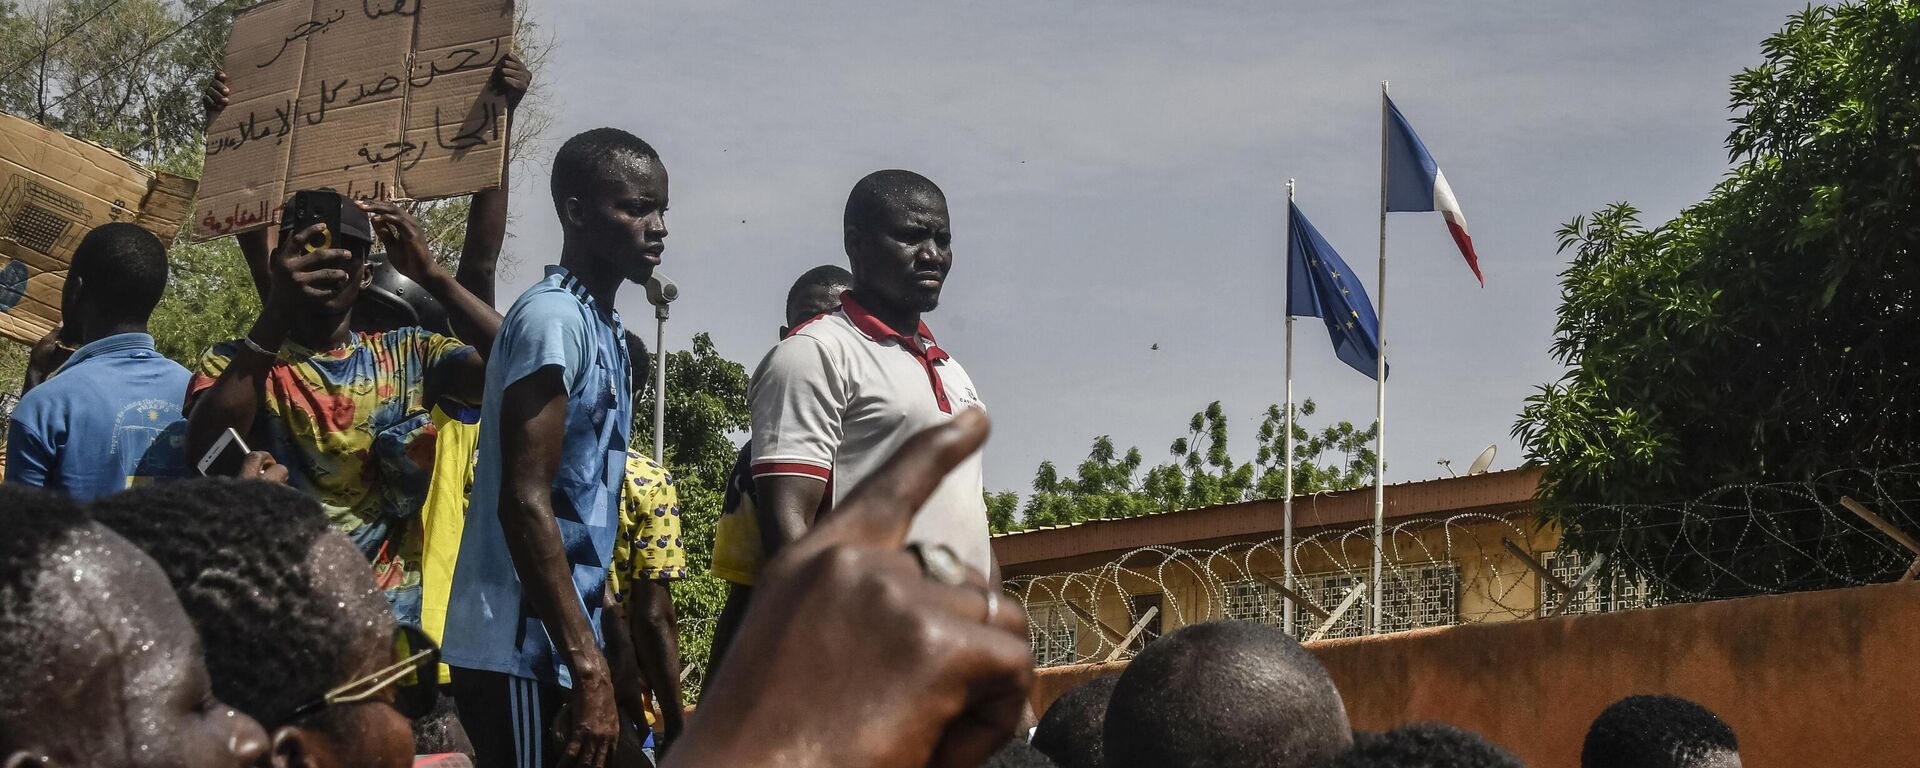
(1481, 464)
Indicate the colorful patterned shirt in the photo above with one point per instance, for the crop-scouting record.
(648, 544)
(352, 427)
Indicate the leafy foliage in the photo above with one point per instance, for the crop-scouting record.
(128, 74)
(706, 414)
(1201, 473)
(124, 73)
(1765, 333)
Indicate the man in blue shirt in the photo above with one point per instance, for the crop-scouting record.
(523, 619)
(109, 417)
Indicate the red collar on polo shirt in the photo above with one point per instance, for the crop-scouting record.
(877, 330)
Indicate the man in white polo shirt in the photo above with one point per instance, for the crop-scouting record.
(840, 394)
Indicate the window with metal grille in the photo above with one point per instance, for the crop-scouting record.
(1600, 596)
(1328, 590)
(1053, 632)
(1415, 595)
(1421, 595)
(1253, 601)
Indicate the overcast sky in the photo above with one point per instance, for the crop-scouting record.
(1116, 173)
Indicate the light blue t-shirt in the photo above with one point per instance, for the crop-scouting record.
(106, 420)
(489, 625)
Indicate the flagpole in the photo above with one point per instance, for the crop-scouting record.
(1287, 506)
(1380, 389)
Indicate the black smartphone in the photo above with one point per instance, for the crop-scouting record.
(307, 208)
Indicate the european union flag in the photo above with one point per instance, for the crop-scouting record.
(1320, 285)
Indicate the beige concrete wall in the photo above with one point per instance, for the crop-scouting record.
(1806, 680)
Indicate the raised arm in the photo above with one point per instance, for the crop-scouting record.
(476, 322)
(532, 427)
(487, 216)
(233, 400)
(256, 246)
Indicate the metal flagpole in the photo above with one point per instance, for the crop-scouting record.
(1287, 506)
(1380, 389)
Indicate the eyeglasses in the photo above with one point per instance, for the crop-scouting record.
(412, 675)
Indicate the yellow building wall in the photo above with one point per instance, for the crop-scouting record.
(1494, 585)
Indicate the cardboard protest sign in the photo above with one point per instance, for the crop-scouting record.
(55, 188)
(374, 98)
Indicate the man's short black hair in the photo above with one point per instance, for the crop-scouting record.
(881, 190)
(1225, 694)
(236, 554)
(124, 271)
(37, 523)
(1070, 730)
(586, 157)
(1656, 732)
(1018, 754)
(825, 276)
(1425, 745)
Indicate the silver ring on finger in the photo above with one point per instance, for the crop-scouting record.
(939, 563)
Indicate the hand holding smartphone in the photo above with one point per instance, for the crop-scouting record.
(225, 457)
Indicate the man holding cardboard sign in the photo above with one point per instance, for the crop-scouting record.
(379, 100)
(346, 412)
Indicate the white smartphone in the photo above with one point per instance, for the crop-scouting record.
(224, 458)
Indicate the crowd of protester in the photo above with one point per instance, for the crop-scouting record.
(441, 541)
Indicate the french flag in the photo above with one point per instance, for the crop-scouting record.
(1415, 183)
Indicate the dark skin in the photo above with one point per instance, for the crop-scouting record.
(900, 260)
(893, 669)
(654, 630)
(46, 356)
(369, 733)
(614, 233)
(310, 302)
(486, 216)
(84, 321)
(815, 300)
(643, 643)
(132, 674)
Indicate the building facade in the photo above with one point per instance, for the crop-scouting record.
(1455, 551)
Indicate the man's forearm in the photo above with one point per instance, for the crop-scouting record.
(486, 234)
(476, 322)
(256, 246)
(656, 645)
(540, 560)
(233, 402)
(617, 647)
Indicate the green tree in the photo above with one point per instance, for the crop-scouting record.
(1003, 511)
(128, 74)
(1336, 458)
(1765, 333)
(706, 414)
(124, 73)
(1203, 472)
(1105, 485)
(1110, 484)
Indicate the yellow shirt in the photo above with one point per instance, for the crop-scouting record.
(444, 515)
(647, 545)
